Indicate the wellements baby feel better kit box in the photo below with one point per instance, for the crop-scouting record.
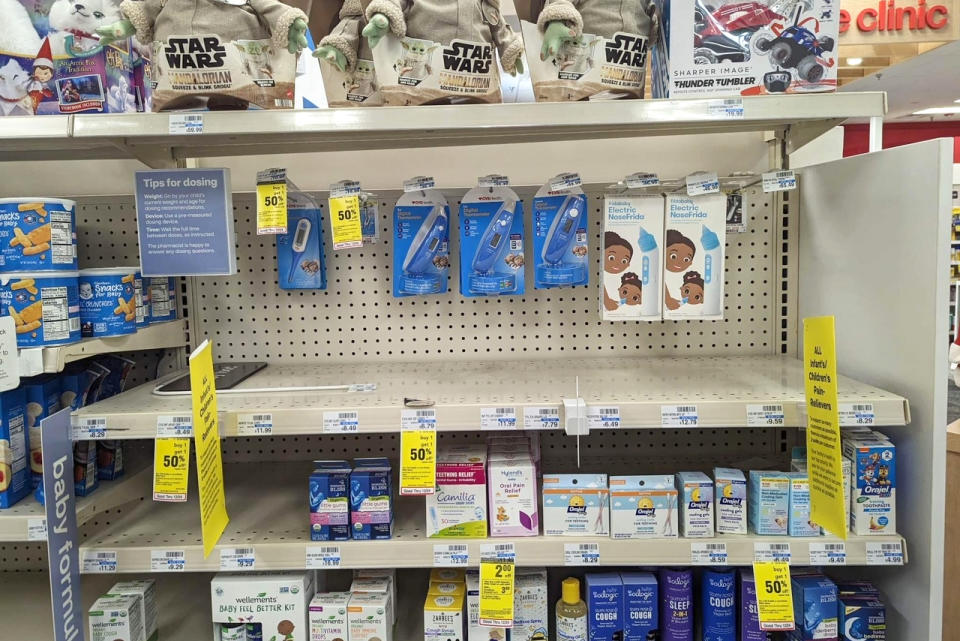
(275, 603)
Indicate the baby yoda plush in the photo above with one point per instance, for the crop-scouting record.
(349, 77)
(591, 49)
(429, 51)
(217, 54)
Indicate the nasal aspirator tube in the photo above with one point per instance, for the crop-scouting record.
(649, 273)
(712, 273)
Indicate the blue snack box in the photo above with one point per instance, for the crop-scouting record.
(814, 607)
(371, 502)
(329, 501)
(862, 619)
(42, 397)
(14, 473)
(604, 593)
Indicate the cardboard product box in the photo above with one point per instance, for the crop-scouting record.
(632, 256)
(14, 445)
(530, 608)
(146, 590)
(328, 616)
(475, 631)
(604, 598)
(814, 607)
(873, 485)
(116, 617)
(368, 617)
(443, 617)
(270, 603)
(695, 491)
(459, 506)
(576, 505)
(745, 48)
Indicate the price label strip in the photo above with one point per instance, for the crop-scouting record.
(90, 428)
(581, 554)
(272, 201)
(254, 424)
(100, 562)
(764, 415)
(36, 529)
(418, 452)
(174, 426)
(708, 553)
(884, 553)
(498, 418)
(237, 559)
(725, 108)
(168, 561)
(497, 570)
(828, 553)
(702, 182)
(772, 553)
(345, 224)
(774, 601)
(171, 469)
(679, 416)
(541, 418)
(341, 422)
(323, 557)
(450, 555)
(856, 414)
(779, 181)
(603, 418)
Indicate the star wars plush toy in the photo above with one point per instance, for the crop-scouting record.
(591, 49)
(217, 54)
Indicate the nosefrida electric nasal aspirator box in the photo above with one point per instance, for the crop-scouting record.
(632, 256)
(491, 240)
(693, 259)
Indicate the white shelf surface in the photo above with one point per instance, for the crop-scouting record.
(269, 513)
(147, 136)
(50, 360)
(721, 388)
(130, 487)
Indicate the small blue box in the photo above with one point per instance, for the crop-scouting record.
(42, 396)
(14, 470)
(604, 607)
(371, 502)
(86, 478)
(814, 608)
(640, 605)
(862, 619)
(300, 261)
(330, 501)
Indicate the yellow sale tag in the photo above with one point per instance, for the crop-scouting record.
(824, 457)
(418, 452)
(171, 469)
(272, 208)
(206, 436)
(496, 590)
(345, 222)
(774, 601)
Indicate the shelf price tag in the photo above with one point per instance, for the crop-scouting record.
(341, 422)
(679, 416)
(272, 201)
(237, 559)
(599, 418)
(828, 553)
(774, 601)
(888, 553)
(581, 554)
(168, 561)
(498, 418)
(642, 179)
(418, 452)
(174, 426)
(497, 566)
(702, 182)
(89, 428)
(702, 553)
(185, 124)
(779, 180)
(100, 562)
(541, 418)
(725, 108)
(171, 469)
(254, 424)
(764, 552)
(450, 555)
(856, 414)
(323, 557)
(764, 415)
(36, 529)
(345, 224)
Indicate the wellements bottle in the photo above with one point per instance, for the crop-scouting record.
(571, 613)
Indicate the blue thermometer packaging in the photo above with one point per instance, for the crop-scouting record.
(421, 237)
(491, 241)
(630, 287)
(693, 256)
(560, 234)
(300, 262)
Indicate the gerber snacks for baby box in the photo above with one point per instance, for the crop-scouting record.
(606, 59)
(37, 234)
(421, 235)
(445, 52)
(14, 470)
(560, 233)
(632, 254)
(491, 240)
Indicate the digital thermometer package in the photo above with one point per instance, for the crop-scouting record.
(491, 242)
(693, 256)
(632, 256)
(421, 236)
(560, 237)
(300, 263)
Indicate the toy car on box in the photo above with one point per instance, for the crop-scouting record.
(744, 48)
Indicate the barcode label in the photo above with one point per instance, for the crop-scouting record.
(167, 561)
(498, 418)
(607, 417)
(884, 553)
(679, 416)
(702, 182)
(541, 418)
(254, 424)
(581, 554)
(89, 428)
(36, 529)
(418, 419)
(100, 562)
(779, 181)
(856, 414)
(323, 557)
(450, 555)
(174, 426)
(341, 422)
(708, 553)
(237, 559)
(498, 551)
(771, 552)
(828, 553)
(764, 415)
(185, 124)
(731, 108)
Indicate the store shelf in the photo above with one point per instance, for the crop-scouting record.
(14, 521)
(147, 136)
(268, 512)
(50, 360)
(721, 388)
